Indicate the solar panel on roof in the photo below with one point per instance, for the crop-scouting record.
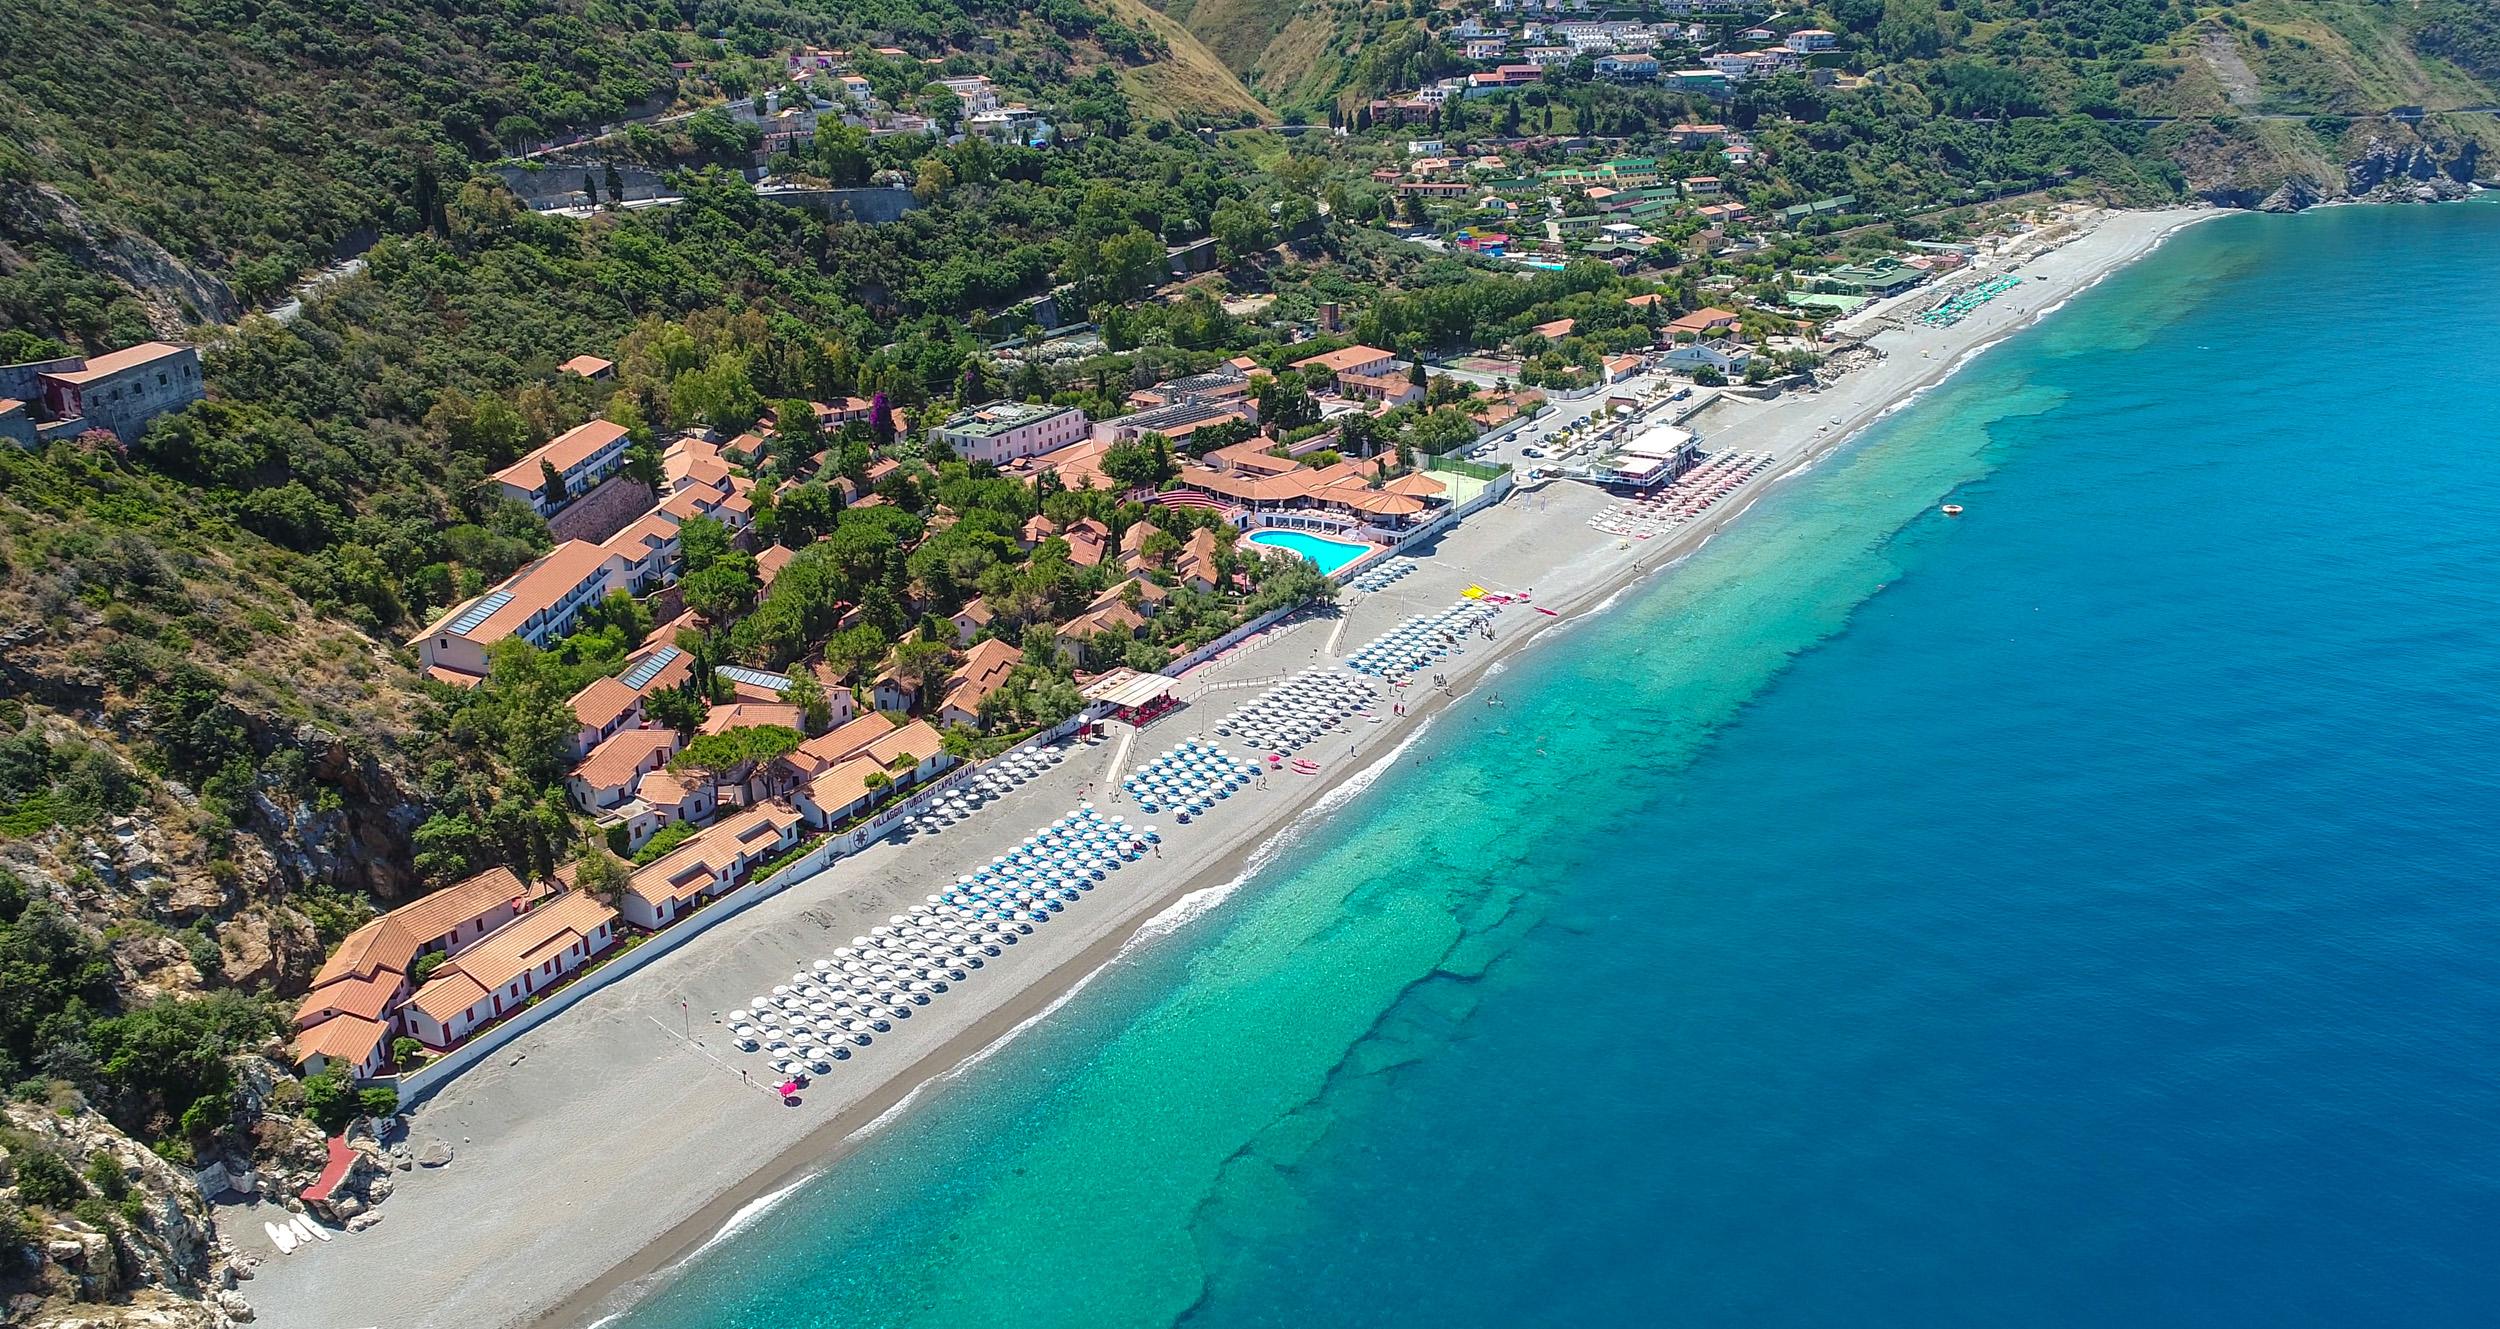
(640, 676)
(754, 677)
(478, 613)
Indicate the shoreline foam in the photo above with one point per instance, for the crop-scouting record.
(583, 1286)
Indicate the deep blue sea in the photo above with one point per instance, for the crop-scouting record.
(2085, 911)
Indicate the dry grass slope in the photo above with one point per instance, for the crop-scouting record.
(1192, 79)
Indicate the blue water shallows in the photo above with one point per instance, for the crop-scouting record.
(2080, 912)
(1326, 554)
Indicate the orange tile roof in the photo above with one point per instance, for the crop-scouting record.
(843, 741)
(348, 1038)
(604, 702)
(614, 763)
(105, 366)
(769, 563)
(691, 867)
(745, 714)
(1338, 362)
(446, 995)
(649, 533)
(430, 918)
(378, 945)
(1379, 502)
(1086, 541)
(679, 668)
(840, 785)
(564, 452)
(532, 589)
(663, 789)
(984, 670)
(1116, 616)
(586, 365)
(1387, 385)
(918, 740)
(528, 941)
(1702, 319)
(368, 996)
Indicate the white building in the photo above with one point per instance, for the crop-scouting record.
(580, 457)
(1004, 431)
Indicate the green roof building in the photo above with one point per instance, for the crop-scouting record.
(1884, 276)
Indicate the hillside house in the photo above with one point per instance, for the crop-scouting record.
(579, 457)
(120, 393)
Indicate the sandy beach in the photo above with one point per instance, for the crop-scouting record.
(599, 1149)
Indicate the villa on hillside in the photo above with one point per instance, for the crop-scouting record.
(1003, 431)
(120, 393)
(579, 458)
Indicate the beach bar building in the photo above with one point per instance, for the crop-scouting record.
(1657, 455)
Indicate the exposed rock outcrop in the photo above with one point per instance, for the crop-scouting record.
(2293, 195)
(128, 1243)
(175, 294)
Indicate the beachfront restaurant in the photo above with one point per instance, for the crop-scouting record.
(1125, 694)
(1658, 455)
(1338, 499)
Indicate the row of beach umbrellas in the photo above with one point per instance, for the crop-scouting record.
(1188, 779)
(994, 779)
(1420, 640)
(844, 1001)
(1296, 711)
(1378, 578)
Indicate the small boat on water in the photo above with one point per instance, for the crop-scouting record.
(284, 1236)
(1953, 509)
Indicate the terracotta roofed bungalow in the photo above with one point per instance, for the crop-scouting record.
(511, 964)
(984, 670)
(355, 1044)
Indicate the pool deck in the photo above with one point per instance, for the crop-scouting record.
(1289, 540)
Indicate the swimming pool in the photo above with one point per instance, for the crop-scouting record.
(1329, 554)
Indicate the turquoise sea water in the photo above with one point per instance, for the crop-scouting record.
(1329, 554)
(2082, 912)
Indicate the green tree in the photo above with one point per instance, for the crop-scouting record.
(532, 703)
(1240, 229)
(917, 662)
(732, 748)
(42, 1178)
(601, 876)
(1132, 264)
(808, 694)
(855, 651)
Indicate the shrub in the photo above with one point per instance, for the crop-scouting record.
(107, 1177)
(328, 1101)
(42, 1178)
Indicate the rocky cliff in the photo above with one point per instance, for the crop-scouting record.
(2385, 163)
(103, 1232)
(175, 294)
